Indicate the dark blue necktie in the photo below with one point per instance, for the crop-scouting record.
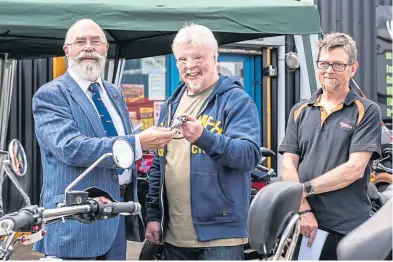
(106, 119)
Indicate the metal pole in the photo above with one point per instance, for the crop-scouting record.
(79, 178)
(17, 185)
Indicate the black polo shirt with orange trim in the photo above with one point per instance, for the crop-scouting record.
(324, 142)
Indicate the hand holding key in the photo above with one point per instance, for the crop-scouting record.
(155, 137)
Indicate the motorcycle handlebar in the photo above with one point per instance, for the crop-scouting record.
(383, 168)
(54, 213)
(27, 216)
(18, 220)
(262, 168)
(270, 172)
(98, 206)
(126, 207)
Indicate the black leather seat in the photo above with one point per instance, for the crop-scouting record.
(270, 211)
(372, 240)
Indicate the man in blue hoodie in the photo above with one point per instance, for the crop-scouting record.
(199, 194)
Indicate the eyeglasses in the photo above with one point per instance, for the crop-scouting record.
(196, 60)
(338, 67)
(83, 42)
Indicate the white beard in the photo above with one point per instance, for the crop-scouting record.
(195, 87)
(88, 70)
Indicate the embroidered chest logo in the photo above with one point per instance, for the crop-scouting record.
(345, 126)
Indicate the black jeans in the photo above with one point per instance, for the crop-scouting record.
(172, 252)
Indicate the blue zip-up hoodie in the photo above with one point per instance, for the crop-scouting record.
(221, 161)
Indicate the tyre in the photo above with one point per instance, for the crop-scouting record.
(151, 251)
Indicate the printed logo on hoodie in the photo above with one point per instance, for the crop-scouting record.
(210, 124)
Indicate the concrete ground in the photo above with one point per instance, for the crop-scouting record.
(23, 252)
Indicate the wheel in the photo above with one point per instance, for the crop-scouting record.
(150, 251)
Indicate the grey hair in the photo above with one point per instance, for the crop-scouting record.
(69, 32)
(339, 40)
(196, 35)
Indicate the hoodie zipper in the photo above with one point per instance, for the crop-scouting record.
(163, 212)
(168, 117)
(203, 107)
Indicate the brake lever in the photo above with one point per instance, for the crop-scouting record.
(33, 237)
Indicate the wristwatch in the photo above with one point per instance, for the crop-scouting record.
(308, 188)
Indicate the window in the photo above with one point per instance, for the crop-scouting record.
(143, 83)
(229, 68)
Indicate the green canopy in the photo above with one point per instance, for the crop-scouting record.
(141, 28)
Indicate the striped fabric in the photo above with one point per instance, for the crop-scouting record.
(71, 138)
(105, 117)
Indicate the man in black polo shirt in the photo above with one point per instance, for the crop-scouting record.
(329, 142)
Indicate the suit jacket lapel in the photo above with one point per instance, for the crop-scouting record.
(87, 107)
(117, 103)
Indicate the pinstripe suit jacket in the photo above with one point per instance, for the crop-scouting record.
(71, 138)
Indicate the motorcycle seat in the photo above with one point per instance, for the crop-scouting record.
(372, 240)
(270, 211)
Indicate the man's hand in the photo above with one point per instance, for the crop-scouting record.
(153, 230)
(191, 129)
(155, 137)
(308, 227)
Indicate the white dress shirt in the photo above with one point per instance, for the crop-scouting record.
(125, 177)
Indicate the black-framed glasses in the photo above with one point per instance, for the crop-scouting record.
(339, 67)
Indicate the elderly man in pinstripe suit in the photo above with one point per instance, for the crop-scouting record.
(78, 117)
